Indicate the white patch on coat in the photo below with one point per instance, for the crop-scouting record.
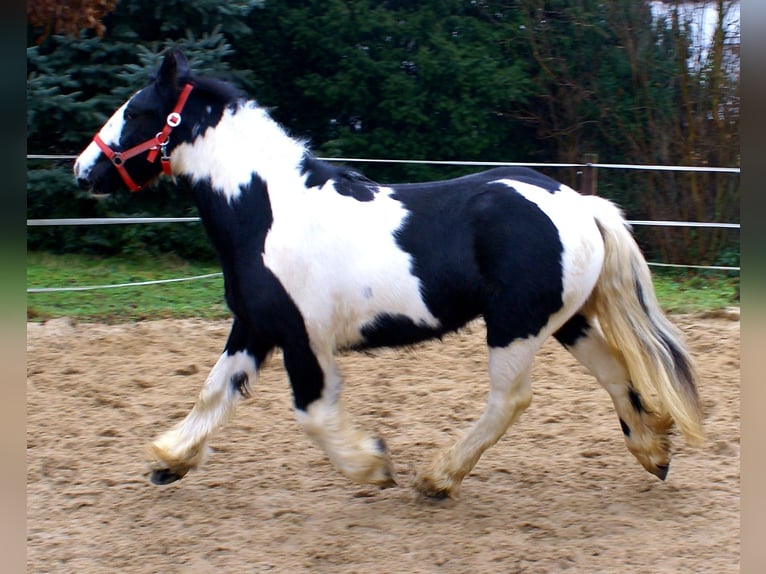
(246, 141)
(339, 261)
(336, 256)
(595, 354)
(110, 133)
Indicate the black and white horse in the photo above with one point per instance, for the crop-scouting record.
(318, 258)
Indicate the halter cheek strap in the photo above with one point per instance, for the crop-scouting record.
(158, 143)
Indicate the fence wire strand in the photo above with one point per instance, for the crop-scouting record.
(114, 286)
(487, 163)
(144, 220)
(210, 275)
(125, 220)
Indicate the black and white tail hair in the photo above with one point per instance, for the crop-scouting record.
(318, 258)
(624, 302)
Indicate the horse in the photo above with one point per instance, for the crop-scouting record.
(318, 259)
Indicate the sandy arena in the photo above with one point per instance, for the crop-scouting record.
(560, 492)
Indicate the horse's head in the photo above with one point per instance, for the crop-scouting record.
(134, 146)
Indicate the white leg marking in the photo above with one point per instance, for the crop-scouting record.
(510, 394)
(646, 435)
(353, 451)
(185, 445)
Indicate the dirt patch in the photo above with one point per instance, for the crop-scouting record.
(558, 492)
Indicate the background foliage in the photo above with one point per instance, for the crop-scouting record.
(514, 80)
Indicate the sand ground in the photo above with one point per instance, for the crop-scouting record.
(558, 492)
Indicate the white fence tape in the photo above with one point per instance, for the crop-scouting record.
(536, 164)
(109, 221)
(136, 284)
(713, 267)
(488, 163)
(123, 220)
(141, 220)
(209, 275)
(685, 224)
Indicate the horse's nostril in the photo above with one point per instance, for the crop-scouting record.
(83, 182)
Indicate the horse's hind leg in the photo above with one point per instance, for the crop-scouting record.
(509, 395)
(184, 447)
(646, 434)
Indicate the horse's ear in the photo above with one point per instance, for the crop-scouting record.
(173, 71)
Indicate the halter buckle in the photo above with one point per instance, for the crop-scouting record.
(174, 119)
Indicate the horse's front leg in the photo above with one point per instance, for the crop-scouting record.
(184, 447)
(319, 409)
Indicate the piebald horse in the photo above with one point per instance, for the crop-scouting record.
(318, 258)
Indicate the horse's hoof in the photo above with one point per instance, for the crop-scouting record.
(429, 489)
(389, 480)
(661, 471)
(442, 494)
(164, 476)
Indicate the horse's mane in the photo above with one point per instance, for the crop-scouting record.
(223, 90)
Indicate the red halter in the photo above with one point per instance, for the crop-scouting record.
(153, 146)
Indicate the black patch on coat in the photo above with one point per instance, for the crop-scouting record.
(346, 181)
(388, 330)
(266, 315)
(571, 331)
(240, 382)
(480, 247)
(241, 339)
(625, 428)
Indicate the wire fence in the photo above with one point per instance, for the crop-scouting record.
(488, 163)
(150, 220)
(128, 220)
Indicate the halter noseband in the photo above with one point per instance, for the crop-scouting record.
(154, 145)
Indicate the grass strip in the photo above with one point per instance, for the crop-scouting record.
(679, 291)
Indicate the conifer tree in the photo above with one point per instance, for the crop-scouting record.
(77, 78)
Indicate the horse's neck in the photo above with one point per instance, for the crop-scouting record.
(242, 171)
(245, 143)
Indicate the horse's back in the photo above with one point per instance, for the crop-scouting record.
(473, 180)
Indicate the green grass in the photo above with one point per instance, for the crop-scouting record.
(201, 298)
(697, 291)
(678, 291)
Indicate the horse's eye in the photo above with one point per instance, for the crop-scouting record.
(135, 114)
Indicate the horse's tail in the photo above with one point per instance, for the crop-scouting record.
(632, 321)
